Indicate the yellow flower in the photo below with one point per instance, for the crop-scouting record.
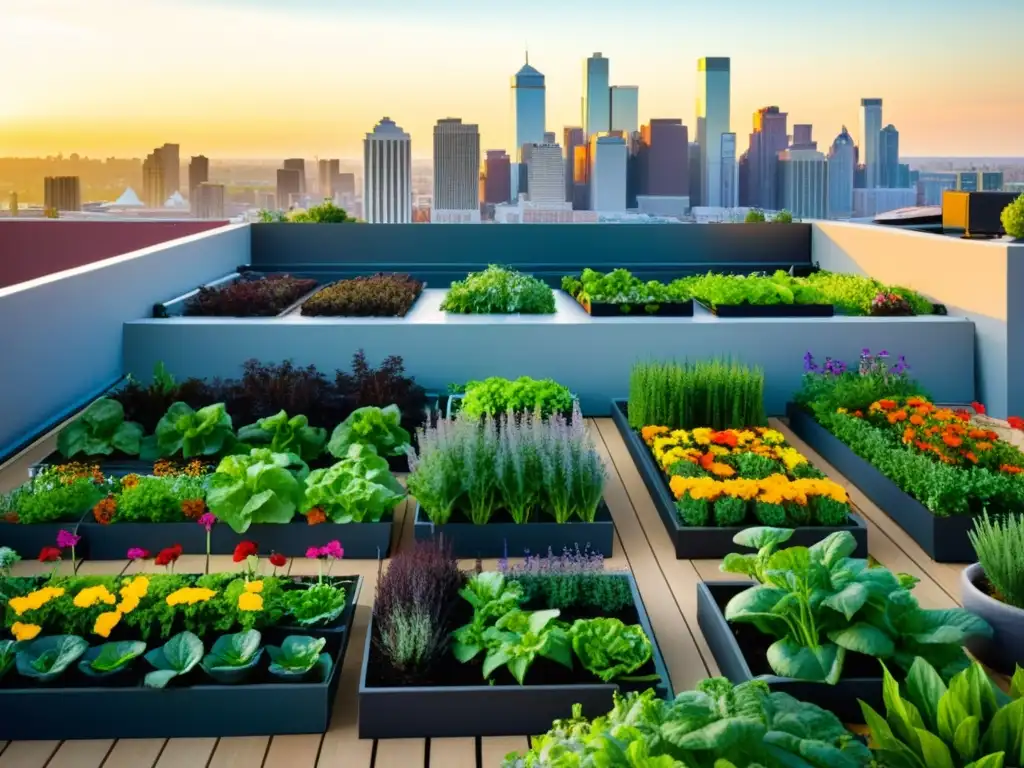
(254, 586)
(190, 596)
(718, 450)
(89, 596)
(35, 600)
(681, 435)
(138, 586)
(701, 435)
(744, 436)
(772, 437)
(791, 457)
(649, 433)
(741, 489)
(841, 410)
(250, 601)
(129, 601)
(105, 622)
(24, 632)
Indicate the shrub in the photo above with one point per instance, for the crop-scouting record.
(378, 295)
(754, 216)
(998, 543)
(716, 394)
(783, 217)
(500, 291)
(857, 294)
(382, 386)
(1012, 218)
(250, 296)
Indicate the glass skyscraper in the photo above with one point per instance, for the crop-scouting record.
(870, 130)
(713, 118)
(625, 108)
(530, 118)
(596, 98)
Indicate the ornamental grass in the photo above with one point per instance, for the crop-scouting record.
(999, 542)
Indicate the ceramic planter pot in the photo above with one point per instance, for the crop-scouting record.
(1004, 650)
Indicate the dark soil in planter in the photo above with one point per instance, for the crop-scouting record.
(770, 310)
(664, 309)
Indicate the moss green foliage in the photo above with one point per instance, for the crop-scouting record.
(622, 288)
(999, 543)
(499, 291)
(729, 290)
(1012, 218)
(854, 294)
(754, 216)
(783, 217)
(729, 511)
(716, 394)
(51, 497)
(496, 396)
(157, 499)
(324, 213)
(380, 295)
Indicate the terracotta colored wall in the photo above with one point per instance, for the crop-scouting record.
(34, 248)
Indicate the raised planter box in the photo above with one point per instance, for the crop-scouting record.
(203, 710)
(27, 540)
(770, 310)
(508, 539)
(176, 306)
(488, 710)
(692, 543)
(664, 309)
(944, 539)
(730, 645)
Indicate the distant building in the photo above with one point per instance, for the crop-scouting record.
(860, 176)
(572, 137)
(673, 206)
(770, 137)
(198, 173)
(729, 171)
(456, 172)
(803, 178)
(530, 117)
(62, 193)
(871, 202)
(581, 178)
(596, 98)
(625, 108)
(326, 173)
(713, 119)
(696, 191)
(664, 158)
(208, 201)
(12, 204)
(387, 175)
(546, 175)
(905, 177)
(870, 136)
(344, 185)
(607, 173)
(931, 184)
(298, 164)
(841, 169)
(497, 177)
(802, 137)
(522, 211)
(979, 181)
(889, 157)
(156, 187)
(289, 187)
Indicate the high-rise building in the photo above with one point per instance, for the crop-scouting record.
(802, 137)
(323, 179)
(345, 185)
(872, 202)
(530, 118)
(743, 180)
(153, 179)
(770, 137)
(171, 159)
(905, 178)
(696, 191)
(498, 177)
(803, 176)
(289, 187)
(841, 169)
(12, 204)
(546, 172)
(608, 155)
(596, 99)
(581, 178)
(860, 176)
(198, 173)
(456, 172)
(572, 137)
(713, 119)
(870, 133)
(298, 164)
(387, 175)
(208, 201)
(889, 157)
(729, 198)
(62, 193)
(979, 181)
(624, 103)
(664, 158)
(931, 185)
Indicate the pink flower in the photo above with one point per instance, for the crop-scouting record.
(313, 553)
(207, 519)
(66, 539)
(332, 550)
(138, 553)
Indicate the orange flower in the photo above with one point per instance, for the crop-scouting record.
(978, 434)
(193, 509)
(922, 446)
(952, 440)
(886, 405)
(706, 460)
(726, 437)
(859, 414)
(963, 414)
(129, 481)
(104, 510)
(721, 470)
(916, 401)
(163, 468)
(908, 435)
(983, 446)
(315, 516)
(899, 415)
(971, 457)
(917, 419)
(944, 414)
(1010, 469)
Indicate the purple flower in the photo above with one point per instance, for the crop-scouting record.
(809, 366)
(865, 352)
(313, 553)
(66, 539)
(332, 550)
(138, 553)
(883, 353)
(207, 519)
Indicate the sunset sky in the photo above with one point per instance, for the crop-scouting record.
(270, 78)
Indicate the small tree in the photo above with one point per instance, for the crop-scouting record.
(1013, 218)
(783, 217)
(328, 213)
(754, 216)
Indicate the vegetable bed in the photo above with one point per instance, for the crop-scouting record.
(380, 295)
(248, 294)
(620, 294)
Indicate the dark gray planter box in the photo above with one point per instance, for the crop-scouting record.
(1004, 650)
(944, 539)
(770, 310)
(488, 710)
(201, 710)
(515, 540)
(841, 698)
(27, 540)
(693, 543)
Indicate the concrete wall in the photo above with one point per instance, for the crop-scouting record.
(61, 335)
(31, 248)
(982, 281)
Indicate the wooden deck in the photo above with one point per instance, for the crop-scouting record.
(666, 584)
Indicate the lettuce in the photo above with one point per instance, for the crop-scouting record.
(380, 428)
(100, 430)
(262, 487)
(286, 435)
(206, 432)
(608, 648)
(359, 488)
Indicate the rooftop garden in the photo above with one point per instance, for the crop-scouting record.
(249, 296)
(380, 295)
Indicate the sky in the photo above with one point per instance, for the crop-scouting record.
(280, 78)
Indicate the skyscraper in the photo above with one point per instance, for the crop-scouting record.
(841, 170)
(713, 119)
(581, 178)
(153, 179)
(696, 191)
(498, 173)
(889, 157)
(530, 117)
(456, 172)
(289, 187)
(596, 99)
(729, 171)
(323, 179)
(387, 175)
(870, 131)
(171, 159)
(208, 201)
(770, 137)
(546, 172)
(198, 173)
(297, 164)
(572, 137)
(802, 137)
(62, 193)
(803, 176)
(664, 158)
(607, 173)
(624, 101)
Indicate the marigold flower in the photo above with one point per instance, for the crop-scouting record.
(129, 481)
(23, 632)
(885, 404)
(908, 435)
(725, 437)
(1009, 469)
(896, 416)
(190, 596)
(701, 435)
(129, 601)
(721, 470)
(315, 516)
(245, 549)
(89, 596)
(138, 586)
(105, 510)
(773, 437)
(649, 433)
(193, 509)
(917, 419)
(915, 401)
(163, 468)
(254, 586)
(250, 601)
(983, 446)
(971, 457)
(49, 554)
(35, 600)
(952, 440)
(105, 622)
(278, 560)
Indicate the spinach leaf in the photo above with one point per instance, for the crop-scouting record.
(379, 428)
(47, 657)
(110, 658)
(519, 637)
(233, 657)
(176, 657)
(183, 431)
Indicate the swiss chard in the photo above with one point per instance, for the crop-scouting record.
(519, 637)
(286, 435)
(359, 488)
(174, 658)
(46, 658)
(99, 431)
(188, 433)
(262, 487)
(110, 658)
(610, 649)
(299, 657)
(379, 428)
(233, 657)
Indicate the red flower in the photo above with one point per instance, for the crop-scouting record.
(978, 408)
(277, 560)
(1015, 422)
(169, 555)
(49, 554)
(245, 549)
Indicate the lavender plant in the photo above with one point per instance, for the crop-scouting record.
(518, 485)
(479, 453)
(435, 478)
(573, 579)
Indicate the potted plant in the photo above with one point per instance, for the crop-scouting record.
(1012, 218)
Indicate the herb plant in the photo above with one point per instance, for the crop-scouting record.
(99, 431)
(359, 488)
(110, 658)
(715, 290)
(250, 296)
(998, 543)
(856, 295)
(154, 499)
(299, 657)
(174, 658)
(54, 496)
(286, 435)
(573, 579)
(499, 291)
(380, 295)
(379, 428)
(610, 649)
(233, 657)
(46, 658)
(188, 433)
(833, 386)
(622, 288)
(316, 605)
(262, 487)
(820, 604)
(496, 397)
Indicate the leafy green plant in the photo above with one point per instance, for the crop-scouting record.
(496, 396)
(189, 433)
(1012, 218)
(110, 658)
(324, 213)
(754, 216)
(970, 723)
(717, 394)
(380, 428)
(359, 488)
(622, 288)
(8, 652)
(299, 657)
(263, 487)
(233, 657)
(820, 604)
(317, 605)
(491, 594)
(715, 290)
(783, 217)
(998, 543)
(610, 649)
(286, 435)
(50, 497)
(99, 431)
(46, 658)
(715, 726)
(519, 637)
(855, 294)
(157, 499)
(174, 658)
(380, 295)
(497, 290)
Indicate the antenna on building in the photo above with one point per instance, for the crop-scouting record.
(527, 53)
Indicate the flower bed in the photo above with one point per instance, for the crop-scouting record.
(499, 291)
(250, 296)
(619, 294)
(508, 651)
(380, 295)
(172, 656)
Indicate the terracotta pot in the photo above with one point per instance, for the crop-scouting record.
(1004, 650)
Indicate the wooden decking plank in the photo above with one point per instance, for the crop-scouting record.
(134, 753)
(453, 753)
(28, 754)
(186, 564)
(102, 567)
(493, 750)
(30, 566)
(81, 754)
(294, 751)
(186, 753)
(240, 752)
(401, 753)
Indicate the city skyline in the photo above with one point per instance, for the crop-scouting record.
(110, 91)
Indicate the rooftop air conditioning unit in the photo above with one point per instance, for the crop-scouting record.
(975, 214)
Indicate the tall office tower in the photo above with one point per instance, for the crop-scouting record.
(171, 159)
(803, 177)
(153, 179)
(498, 177)
(696, 193)
(743, 180)
(713, 119)
(860, 177)
(624, 103)
(298, 164)
(12, 204)
(770, 137)
(904, 178)
(802, 137)
(456, 172)
(664, 158)
(334, 177)
(530, 118)
(208, 201)
(323, 179)
(198, 173)
(870, 133)
(62, 193)
(607, 173)
(572, 137)
(550, 137)
(841, 170)
(729, 171)
(546, 173)
(387, 175)
(289, 187)
(889, 157)
(596, 101)
(581, 178)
